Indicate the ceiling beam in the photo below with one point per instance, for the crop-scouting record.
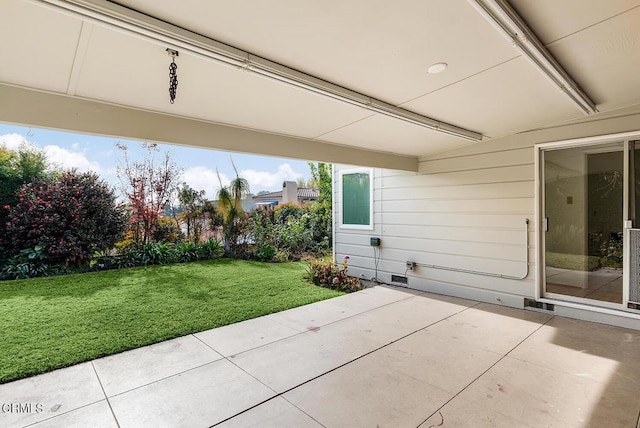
(78, 59)
(106, 13)
(508, 23)
(29, 107)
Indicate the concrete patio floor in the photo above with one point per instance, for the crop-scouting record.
(382, 357)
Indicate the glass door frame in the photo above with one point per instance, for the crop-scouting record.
(593, 142)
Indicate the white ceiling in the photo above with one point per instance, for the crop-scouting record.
(379, 48)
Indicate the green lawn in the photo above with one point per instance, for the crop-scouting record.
(572, 261)
(47, 323)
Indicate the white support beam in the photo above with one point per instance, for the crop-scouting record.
(78, 60)
(507, 21)
(106, 13)
(48, 110)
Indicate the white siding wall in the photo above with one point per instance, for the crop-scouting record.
(466, 209)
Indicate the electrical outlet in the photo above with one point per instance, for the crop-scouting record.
(411, 265)
(375, 242)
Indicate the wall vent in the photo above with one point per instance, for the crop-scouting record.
(399, 279)
(534, 304)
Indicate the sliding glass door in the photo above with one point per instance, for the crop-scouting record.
(584, 213)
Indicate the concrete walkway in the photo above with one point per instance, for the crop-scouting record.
(382, 357)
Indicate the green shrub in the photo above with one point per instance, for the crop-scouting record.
(293, 231)
(612, 251)
(187, 252)
(4, 254)
(18, 168)
(29, 263)
(285, 212)
(159, 253)
(265, 252)
(71, 216)
(212, 249)
(322, 247)
(124, 258)
(166, 231)
(320, 224)
(26, 264)
(18, 268)
(193, 251)
(282, 256)
(293, 234)
(329, 275)
(261, 229)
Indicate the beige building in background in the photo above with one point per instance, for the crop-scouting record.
(290, 194)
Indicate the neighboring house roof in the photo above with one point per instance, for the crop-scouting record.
(268, 196)
(304, 194)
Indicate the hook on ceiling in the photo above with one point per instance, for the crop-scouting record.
(173, 75)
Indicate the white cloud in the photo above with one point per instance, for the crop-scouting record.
(56, 155)
(202, 178)
(113, 172)
(263, 180)
(70, 159)
(15, 141)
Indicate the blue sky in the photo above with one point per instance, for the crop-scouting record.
(99, 154)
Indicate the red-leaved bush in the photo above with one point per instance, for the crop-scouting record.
(72, 216)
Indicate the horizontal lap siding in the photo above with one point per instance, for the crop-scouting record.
(471, 191)
(460, 178)
(511, 206)
(456, 233)
(424, 249)
(466, 209)
(511, 157)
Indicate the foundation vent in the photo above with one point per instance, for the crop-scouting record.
(534, 304)
(399, 279)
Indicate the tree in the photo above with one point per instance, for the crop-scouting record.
(195, 210)
(230, 207)
(166, 231)
(16, 169)
(321, 178)
(322, 218)
(71, 216)
(149, 185)
(308, 183)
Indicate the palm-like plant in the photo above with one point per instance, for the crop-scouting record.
(230, 206)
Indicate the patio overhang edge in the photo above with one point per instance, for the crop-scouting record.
(29, 107)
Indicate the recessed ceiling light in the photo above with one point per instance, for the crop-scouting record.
(438, 67)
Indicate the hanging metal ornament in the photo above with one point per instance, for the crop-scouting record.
(173, 75)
